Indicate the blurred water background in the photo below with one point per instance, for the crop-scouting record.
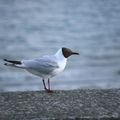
(31, 28)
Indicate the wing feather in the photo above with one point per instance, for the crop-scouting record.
(43, 65)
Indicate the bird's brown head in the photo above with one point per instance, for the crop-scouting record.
(68, 52)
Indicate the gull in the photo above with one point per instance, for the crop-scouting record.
(46, 66)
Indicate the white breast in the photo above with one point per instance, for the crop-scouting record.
(61, 61)
(60, 68)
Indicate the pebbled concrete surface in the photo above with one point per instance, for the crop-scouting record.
(74, 104)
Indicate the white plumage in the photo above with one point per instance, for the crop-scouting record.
(46, 66)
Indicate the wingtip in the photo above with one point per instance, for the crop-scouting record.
(5, 63)
(5, 59)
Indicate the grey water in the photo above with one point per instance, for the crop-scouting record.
(32, 28)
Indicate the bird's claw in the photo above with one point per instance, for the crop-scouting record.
(48, 90)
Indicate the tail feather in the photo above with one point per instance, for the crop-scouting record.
(13, 61)
(10, 64)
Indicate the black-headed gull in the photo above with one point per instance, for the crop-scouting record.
(46, 66)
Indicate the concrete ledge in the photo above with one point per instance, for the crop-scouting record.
(74, 104)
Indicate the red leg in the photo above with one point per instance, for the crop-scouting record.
(49, 91)
(48, 84)
(44, 85)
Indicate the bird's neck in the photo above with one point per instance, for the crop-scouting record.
(59, 55)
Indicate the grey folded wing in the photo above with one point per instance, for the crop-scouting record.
(43, 65)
